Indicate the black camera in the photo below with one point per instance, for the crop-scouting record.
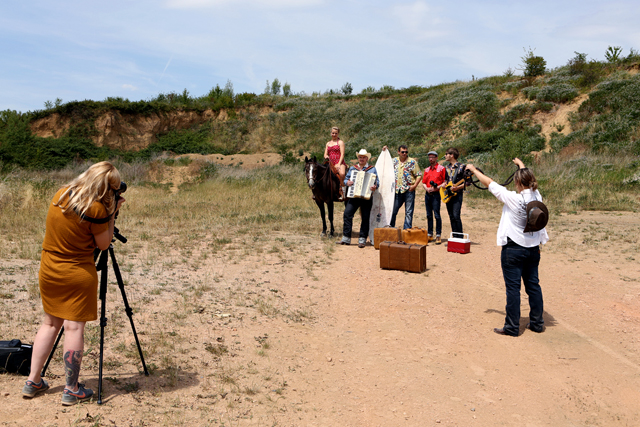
(119, 191)
(122, 189)
(433, 184)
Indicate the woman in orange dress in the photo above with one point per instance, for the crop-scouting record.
(334, 151)
(68, 277)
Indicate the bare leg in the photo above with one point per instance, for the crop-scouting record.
(73, 348)
(341, 173)
(43, 344)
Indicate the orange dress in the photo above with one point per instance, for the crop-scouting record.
(68, 277)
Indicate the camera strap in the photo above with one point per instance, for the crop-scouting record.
(95, 220)
(504, 184)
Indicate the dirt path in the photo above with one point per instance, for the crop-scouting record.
(405, 349)
(370, 347)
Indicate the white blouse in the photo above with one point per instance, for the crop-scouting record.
(514, 217)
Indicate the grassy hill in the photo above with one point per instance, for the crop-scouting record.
(579, 122)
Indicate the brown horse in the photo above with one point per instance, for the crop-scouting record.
(325, 186)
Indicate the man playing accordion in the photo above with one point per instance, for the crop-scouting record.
(358, 201)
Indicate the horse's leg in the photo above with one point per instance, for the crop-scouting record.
(320, 204)
(330, 206)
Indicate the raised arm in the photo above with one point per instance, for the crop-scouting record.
(485, 180)
(518, 162)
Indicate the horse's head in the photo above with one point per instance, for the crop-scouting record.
(310, 170)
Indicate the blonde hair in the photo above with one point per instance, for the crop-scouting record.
(526, 179)
(93, 185)
(336, 128)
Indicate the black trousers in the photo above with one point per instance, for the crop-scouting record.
(350, 211)
(453, 208)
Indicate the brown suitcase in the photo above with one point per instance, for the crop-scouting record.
(415, 235)
(402, 256)
(388, 233)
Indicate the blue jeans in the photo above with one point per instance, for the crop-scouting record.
(432, 202)
(407, 199)
(521, 263)
(453, 208)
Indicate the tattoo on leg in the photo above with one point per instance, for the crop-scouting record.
(72, 360)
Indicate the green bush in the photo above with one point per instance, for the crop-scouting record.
(20, 147)
(609, 119)
(289, 159)
(500, 143)
(587, 72)
(531, 92)
(559, 93)
(613, 54)
(533, 65)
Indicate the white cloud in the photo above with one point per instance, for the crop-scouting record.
(129, 87)
(420, 20)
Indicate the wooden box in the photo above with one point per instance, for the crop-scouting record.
(402, 256)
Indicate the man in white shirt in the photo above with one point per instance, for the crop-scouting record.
(520, 233)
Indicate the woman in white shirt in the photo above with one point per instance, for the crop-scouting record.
(520, 240)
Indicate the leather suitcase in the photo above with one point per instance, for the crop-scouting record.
(402, 256)
(388, 233)
(415, 235)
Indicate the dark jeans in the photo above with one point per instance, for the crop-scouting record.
(453, 208)
(432, 202)
(521, 263)
(350, 210)
(407, 199)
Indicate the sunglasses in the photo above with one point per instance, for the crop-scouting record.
(404, 152)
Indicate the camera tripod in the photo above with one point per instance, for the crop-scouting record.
(102, 268)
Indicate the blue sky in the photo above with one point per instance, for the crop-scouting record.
(135, 49)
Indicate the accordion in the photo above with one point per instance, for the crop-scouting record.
(362, 183)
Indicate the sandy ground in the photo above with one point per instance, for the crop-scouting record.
(353, 345)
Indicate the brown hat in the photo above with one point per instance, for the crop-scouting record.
(537, 216)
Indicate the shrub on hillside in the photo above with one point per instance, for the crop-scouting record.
(20, 147)
(481, 101)
(587, 72)
(557, 93)
(609, 120)
(533, 65)
(531, 92)
(500, 143)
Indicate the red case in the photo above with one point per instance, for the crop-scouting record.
(458, 245)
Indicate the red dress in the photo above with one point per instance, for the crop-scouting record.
(334, 154)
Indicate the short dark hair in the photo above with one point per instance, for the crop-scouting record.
(403, 146)
(454, 152)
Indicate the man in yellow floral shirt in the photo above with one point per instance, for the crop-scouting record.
(407, 180)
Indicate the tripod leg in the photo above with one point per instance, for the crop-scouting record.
(53, 350)
(127, 308)
(102, 267)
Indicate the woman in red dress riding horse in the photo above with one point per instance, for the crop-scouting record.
(334, 152)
